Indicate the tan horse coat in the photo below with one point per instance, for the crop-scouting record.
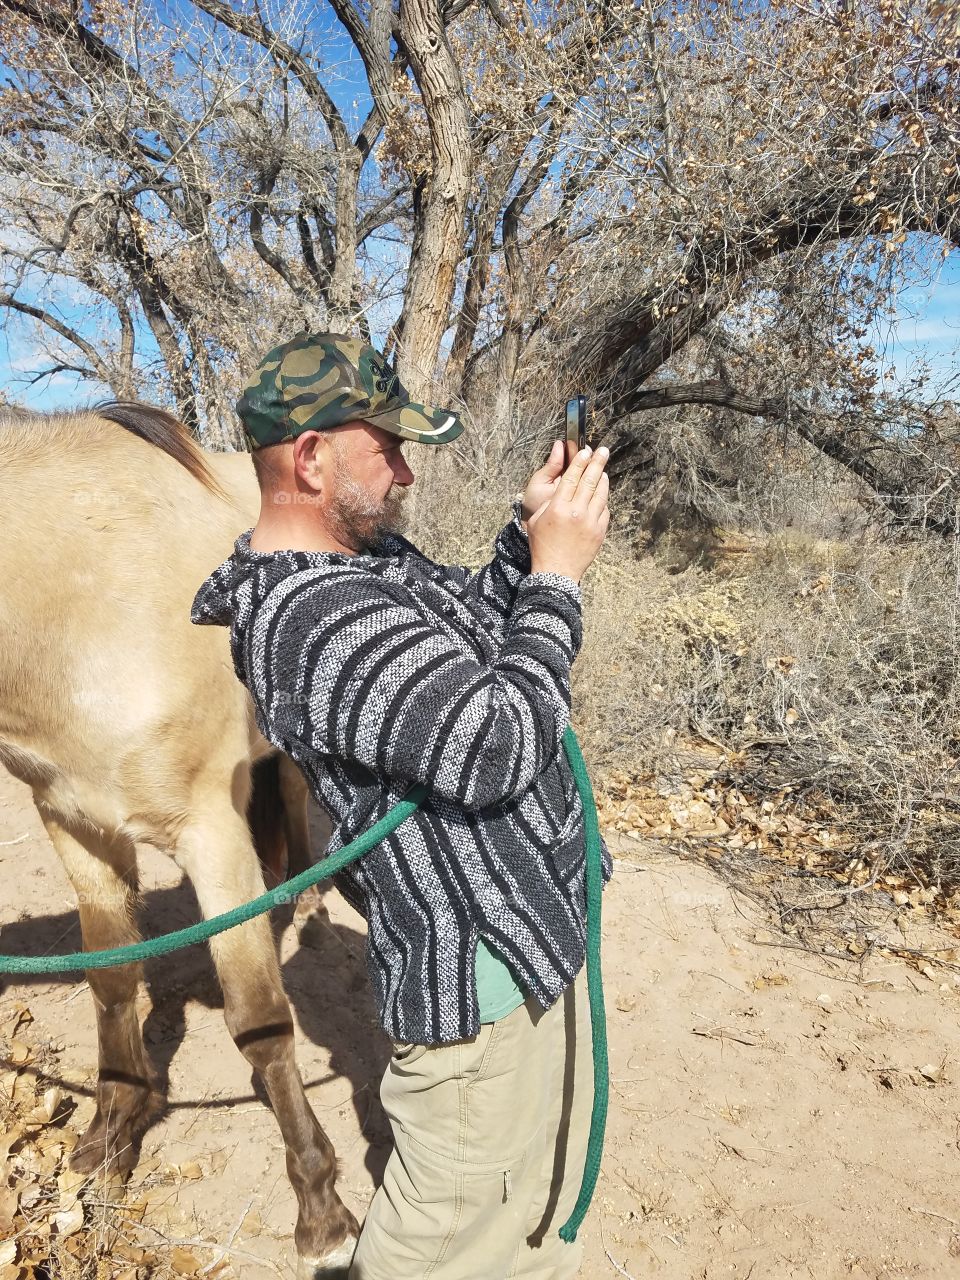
(129, 724)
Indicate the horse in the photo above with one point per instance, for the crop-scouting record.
(129, 725)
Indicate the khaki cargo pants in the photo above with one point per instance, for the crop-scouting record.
(489, 1141)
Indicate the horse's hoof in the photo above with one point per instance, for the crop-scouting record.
(333, 1266)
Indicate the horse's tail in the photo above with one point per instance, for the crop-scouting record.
(158, 427)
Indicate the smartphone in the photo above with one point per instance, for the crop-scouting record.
(577, 422)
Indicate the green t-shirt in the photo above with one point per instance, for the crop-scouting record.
(497, 991)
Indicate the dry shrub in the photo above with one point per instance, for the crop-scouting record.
(829, 668)
(461, 496)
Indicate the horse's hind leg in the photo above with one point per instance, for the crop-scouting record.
(104, 875)
(216, 852)
(294, 793)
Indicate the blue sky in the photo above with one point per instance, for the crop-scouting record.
(925, 334)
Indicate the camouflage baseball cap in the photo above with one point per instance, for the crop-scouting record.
(321, 380)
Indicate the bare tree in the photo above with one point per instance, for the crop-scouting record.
(659, 204)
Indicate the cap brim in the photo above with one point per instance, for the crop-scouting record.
(418, 422)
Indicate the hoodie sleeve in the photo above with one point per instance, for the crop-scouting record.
(347, 668)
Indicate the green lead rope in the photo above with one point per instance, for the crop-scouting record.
(598, 1017)
(200, 932)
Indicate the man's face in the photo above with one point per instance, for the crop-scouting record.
(370, 477)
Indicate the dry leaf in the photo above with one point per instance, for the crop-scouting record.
(252, 1223)
(44, 1112)
(8, 1252)
(135, 1209)
(20, 1018)
(69, 1183)
(67, 1221)
(9, 1200)
(31, 1195)
(185, 1263)
(9, 1139)
(770, 980)
(20, 1054)
(135, 1253)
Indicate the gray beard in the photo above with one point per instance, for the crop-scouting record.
(359, 521)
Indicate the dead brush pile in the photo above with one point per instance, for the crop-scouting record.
(823, 676)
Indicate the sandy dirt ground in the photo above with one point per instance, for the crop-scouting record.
(773, 1114)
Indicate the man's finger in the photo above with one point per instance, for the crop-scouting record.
(554, 463)
(598, 499)
(571, 477)
(589, 476)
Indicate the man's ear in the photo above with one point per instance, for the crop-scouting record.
(311, 459)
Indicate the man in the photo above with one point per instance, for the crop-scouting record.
(375, 668)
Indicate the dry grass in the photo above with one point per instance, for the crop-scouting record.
(830, 671)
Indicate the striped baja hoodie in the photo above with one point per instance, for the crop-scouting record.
(378, 671)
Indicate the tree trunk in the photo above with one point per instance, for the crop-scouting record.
(343, 281)
(431, 276)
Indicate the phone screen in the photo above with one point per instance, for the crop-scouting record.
(577, 422)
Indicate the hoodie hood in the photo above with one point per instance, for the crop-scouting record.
(224, 596)
(230, 595)
(216, 603)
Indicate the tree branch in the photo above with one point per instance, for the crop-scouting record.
(900, 496)
(709, 391)
(286, 56)
(64, 330)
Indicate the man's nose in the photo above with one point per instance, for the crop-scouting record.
(404, 475)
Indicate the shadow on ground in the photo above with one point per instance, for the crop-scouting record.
(324, 977)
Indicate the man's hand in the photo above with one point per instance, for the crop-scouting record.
(543, 483)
